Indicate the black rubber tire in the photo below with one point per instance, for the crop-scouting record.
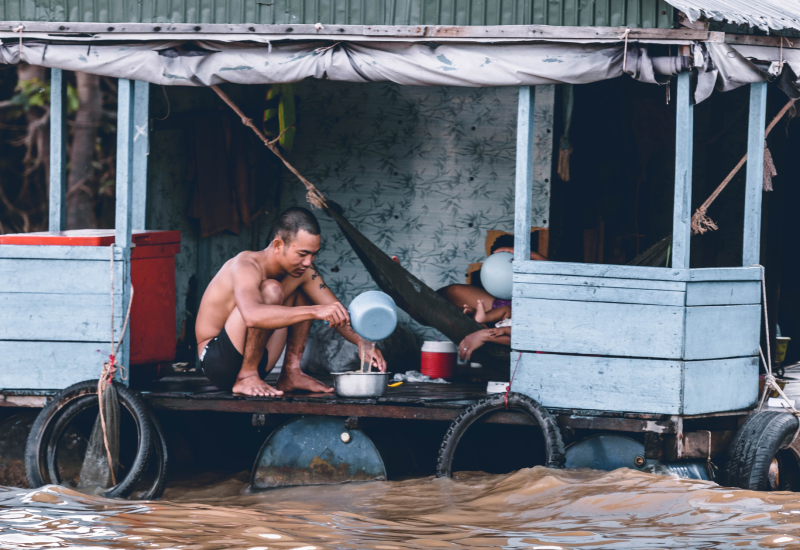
(38, 447)
(554, 445)
(759, 439)
(158, 451)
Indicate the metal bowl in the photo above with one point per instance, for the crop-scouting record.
(360, 384)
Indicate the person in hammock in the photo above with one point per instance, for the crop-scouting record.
(473, 300)
(260, 302)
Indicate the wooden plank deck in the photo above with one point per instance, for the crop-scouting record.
(431, 402)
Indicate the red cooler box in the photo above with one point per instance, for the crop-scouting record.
(60, 283)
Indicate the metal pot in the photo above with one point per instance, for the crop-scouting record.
(360, 384)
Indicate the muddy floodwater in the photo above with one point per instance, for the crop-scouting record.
(532, 508)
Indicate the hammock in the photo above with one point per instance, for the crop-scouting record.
(415, 297)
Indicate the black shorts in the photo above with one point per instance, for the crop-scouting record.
(221, 362)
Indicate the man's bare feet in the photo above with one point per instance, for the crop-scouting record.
(293, 379)
(253, 386)
(480, 312)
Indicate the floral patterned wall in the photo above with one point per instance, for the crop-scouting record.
(422, 172)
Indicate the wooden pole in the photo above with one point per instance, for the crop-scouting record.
(524, 175)
(682, 206)
(124, 197)
(58, 151)
(754, 187)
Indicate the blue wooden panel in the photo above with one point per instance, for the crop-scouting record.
(599, 282)
(600, 294)
(601, 270)
(50, 365)
(62, 317)
(638, 272)
(598, 328)
(600, 383)
(716, 332)
(725, 274)
(523, 175)
(58, 151)
(721, 385)
(751, 243)
(59, 276)
(723, 293)
(100, 253)
(682, 205)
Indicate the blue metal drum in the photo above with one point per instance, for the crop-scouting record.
(316, 450)
(373, 315)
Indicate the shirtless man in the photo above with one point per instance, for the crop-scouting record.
(260, 302)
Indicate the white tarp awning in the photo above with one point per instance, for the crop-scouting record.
(195, 63)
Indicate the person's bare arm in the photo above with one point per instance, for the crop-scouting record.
(258, 314)
(319, 293)
(475, 340)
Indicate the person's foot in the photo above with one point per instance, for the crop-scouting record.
(254, 387)
(480, 312)
(297, 380)
(469, 310)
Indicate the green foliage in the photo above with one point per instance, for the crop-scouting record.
(31, 93)
(72, 99)
(35, 93)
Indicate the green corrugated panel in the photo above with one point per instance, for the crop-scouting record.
(631, 13)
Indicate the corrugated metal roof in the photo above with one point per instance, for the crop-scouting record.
(600, 13)
(764, 14)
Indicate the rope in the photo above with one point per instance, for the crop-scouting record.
(313, 195)
(700, 221)
(625, 52)
(19, 30)
(769, 379)
(508, 388)
(110, 366)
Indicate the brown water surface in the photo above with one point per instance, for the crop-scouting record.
(532, 508)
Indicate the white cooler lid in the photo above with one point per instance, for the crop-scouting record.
(444, 346)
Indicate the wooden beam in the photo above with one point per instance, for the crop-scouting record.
(682, 205)
(65, 30)
(699, 444)
(751, 242)
(524, 175)
(769, 41)
(58, 151)
(141, 150)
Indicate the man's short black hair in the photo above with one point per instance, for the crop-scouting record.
(506, 240)
(292, 220)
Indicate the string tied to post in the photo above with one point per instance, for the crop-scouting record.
(508, 388)
(770, 382)
(19, 30)
(111, 366)
(625, 35)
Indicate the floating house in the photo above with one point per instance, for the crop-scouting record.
(431, 123)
